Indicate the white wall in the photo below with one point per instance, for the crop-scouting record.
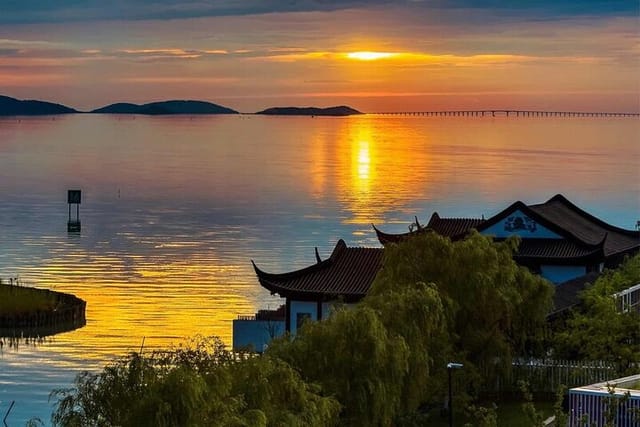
(531, 229)
(562, 273)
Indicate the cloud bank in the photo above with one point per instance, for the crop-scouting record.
(47, 11)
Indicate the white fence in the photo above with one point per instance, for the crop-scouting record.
(546, 375)
(629, 299)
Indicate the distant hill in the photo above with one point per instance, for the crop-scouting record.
(15, 107)
(166, 107)
(342, 110)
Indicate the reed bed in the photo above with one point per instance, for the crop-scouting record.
(18, 300)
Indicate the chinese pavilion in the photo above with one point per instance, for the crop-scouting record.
(559, 241)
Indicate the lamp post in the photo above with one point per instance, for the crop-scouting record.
(450, 367)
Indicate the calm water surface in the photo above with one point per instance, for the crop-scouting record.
(174, 208)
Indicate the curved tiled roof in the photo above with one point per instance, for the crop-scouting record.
(348, 272)
(454, 228)
(585, 235)
(585, 227)
(567, 293)
(550, 249)
(386, 238)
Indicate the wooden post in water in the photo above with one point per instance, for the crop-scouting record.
(74, 197)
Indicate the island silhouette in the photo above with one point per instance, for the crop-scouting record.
(15, 107)
(166, 107)
(30, 107)
(341, 110)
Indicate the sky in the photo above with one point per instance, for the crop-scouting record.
(373, 55)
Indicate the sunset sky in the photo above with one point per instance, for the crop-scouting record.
(375, 56)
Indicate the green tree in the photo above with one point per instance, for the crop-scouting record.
(534, 417)
(598, 330)
(271, 387)
(373, 364)
(352, 356)
(200, 384)
(494, 309)
(415, 313)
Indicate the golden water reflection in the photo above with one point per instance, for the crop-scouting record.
(377, 168)
(388, 168)
(163, 300)
(176, 207)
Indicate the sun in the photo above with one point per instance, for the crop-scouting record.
(369, 56)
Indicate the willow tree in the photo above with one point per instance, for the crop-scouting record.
(194, 385)
(353, 357)
(414, 312)
(493, 307)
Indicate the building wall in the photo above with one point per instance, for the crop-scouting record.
(256, 333)
(562, 273)
(521, 225)
(590, 408)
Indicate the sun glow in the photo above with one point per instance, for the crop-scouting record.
(364, 161)
(370, 56)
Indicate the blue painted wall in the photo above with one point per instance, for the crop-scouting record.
(562, 273)
(518, 224)
(255, 333)
(258, 333)
(302, 307)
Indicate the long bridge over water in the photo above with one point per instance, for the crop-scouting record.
(511, 113)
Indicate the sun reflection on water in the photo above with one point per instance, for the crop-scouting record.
(378, 169)
(364, 161)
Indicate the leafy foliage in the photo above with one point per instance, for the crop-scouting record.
(598, 330)
(379, 363)
(352, 356)
(416, 314)
(534, 417)
(493, 307)
(198, 385)
(558, 411)
(482, 416)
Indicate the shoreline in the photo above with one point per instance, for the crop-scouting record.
(68, 313)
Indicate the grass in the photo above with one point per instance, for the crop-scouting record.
(509, 414)
(17, 300)
(634, 386)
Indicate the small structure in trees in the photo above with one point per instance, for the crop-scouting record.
(345, 277)
(558, 240)
(611, 403)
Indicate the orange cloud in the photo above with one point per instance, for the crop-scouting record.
(419, 58)
(176, 79)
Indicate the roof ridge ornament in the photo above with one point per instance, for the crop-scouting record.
(256, 269)
(318, 259)
(415, 226)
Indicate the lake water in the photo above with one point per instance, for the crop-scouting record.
(174, 208)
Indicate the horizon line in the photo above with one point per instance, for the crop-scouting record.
(462, 111)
